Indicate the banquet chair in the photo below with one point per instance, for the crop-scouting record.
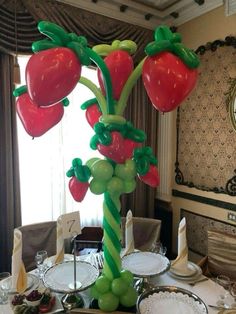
(146, 232)
(90, 240)
(221, 255)
(36, 237)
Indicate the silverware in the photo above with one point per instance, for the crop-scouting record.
(218, 307)
(193, 283)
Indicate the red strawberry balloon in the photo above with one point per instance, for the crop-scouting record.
(130, 145)
(167, 80)
(93, 114)
(151, 178)
(78, 189)
(37, 120)
(169, 72)
(51, 75)
(116, 150)
(120, 65)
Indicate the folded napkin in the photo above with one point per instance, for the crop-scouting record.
(180, 264)
(60, 242)
(129, 235)
(19, 276)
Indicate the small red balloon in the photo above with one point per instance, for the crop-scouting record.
(151, 178)
(37, 120)
(78, 189)
(167, 80)
(93, 114)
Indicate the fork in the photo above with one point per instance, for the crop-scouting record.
(193, 283)
(99, 260)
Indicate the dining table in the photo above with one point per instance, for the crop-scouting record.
(209, 291)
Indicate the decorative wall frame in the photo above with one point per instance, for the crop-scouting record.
(206, 139)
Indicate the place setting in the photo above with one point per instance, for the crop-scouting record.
(181, 268)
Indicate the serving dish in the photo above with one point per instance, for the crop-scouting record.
(170, 299)
(60, 277)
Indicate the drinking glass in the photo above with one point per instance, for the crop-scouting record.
(225, 282)
(40, 259)
(5, 287)
(158, 248)
(232, 291)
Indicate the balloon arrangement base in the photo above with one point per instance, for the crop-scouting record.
(121, 308)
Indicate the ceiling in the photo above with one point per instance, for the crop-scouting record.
(151, 13)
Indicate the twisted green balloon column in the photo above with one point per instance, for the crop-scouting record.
(112, 236)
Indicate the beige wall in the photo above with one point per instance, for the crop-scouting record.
(209, 27)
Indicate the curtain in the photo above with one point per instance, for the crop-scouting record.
(10, 215)
(96, 28)
(143, 116)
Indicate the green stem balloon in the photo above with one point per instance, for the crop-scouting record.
(120, 106)
(100, 98)
(112, 236)
(106, 76)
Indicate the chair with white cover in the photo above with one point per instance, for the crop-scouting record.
(36, 237)
(146, 232)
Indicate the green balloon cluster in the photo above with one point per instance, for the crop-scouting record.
(112, 293)
(116, 179)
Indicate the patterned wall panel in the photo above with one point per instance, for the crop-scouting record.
(197, 227)
(206, 143)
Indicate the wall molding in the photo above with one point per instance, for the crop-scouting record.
(204, 200)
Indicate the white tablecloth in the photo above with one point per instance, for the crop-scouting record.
(208, 291)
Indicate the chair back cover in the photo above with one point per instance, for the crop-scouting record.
(222, 254)
(36, 237)
(146, 232)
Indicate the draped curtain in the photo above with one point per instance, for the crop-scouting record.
(18, 29)
(9, 184)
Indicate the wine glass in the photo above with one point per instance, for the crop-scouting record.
(40, 258)
(158, 248)
(225, 282)
(232, 291)
(5, 287)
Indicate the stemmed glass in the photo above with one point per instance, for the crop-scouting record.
(40, 258)
(5, 287)
(225, 282)
(232, 291)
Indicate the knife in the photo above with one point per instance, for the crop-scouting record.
(217, 307)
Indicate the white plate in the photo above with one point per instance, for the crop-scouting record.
(145, 264)
(189, 278)
(191, 270)
(32, 281)
(60, 277)
(167, 300)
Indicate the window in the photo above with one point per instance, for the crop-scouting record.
(44, 161)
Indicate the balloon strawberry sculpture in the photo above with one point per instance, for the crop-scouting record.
(53, 71)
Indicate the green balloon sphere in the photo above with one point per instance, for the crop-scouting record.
(94, 292)
(129, 186)
(126, 171)
(119, 286)
(115, 186)
(127, 276)
(102, 284)
(108, 302)
(129, 298)
(102, 170)
(91, 161)
(97, 187)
